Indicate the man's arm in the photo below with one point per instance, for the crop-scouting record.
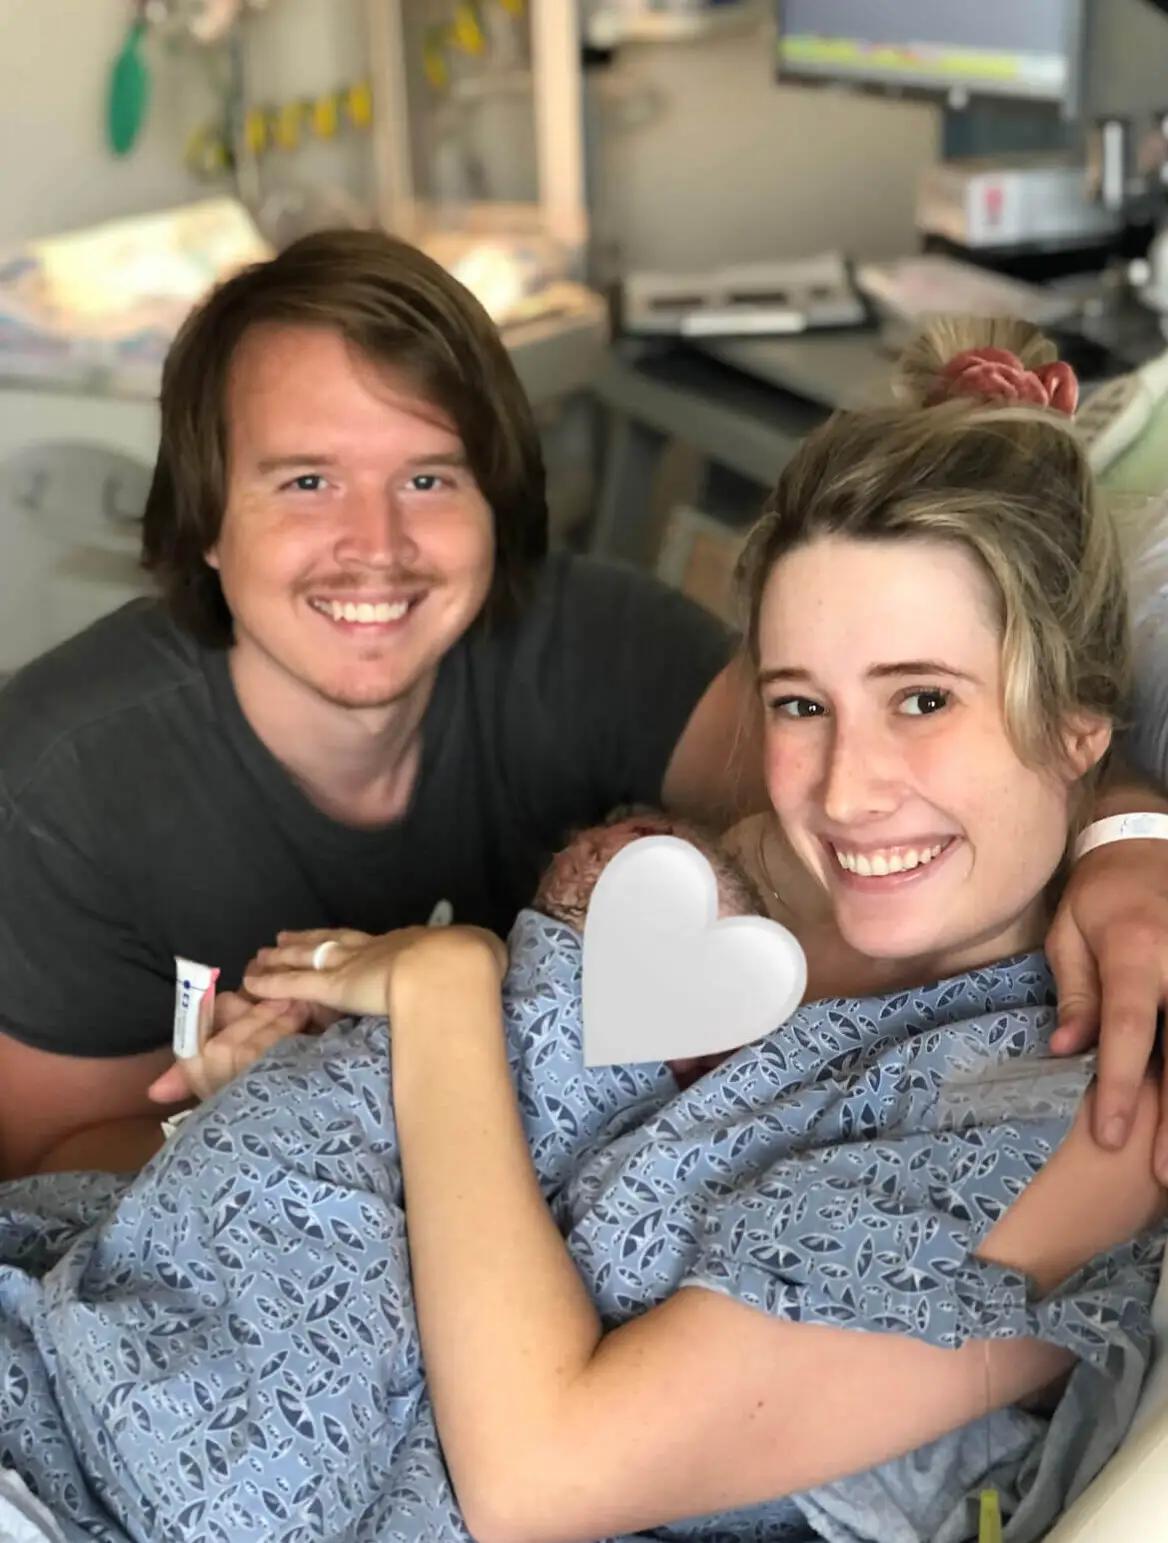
(53, 1109)
(716, 774)
(1124, 790)
(1108, 948)
(1109, 943)
(85, 1004)
(642, 699)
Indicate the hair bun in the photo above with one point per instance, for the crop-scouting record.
(996, 375)
(991, 359)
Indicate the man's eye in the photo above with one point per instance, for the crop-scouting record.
(426, 482)
(308, 482)
(922, 704)
(797, 707)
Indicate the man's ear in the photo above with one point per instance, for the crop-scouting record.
(1086, 740)
(211, 556)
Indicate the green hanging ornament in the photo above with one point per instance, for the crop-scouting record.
(129, 89)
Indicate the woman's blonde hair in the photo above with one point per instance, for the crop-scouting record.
(1010, 483)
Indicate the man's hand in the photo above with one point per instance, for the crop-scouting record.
(1108, 949)
(244, 1029)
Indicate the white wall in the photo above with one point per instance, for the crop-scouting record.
(301, 48)
(56, 171)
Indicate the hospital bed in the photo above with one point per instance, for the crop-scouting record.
(1128, 1502)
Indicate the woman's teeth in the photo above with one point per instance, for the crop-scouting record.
(877, 865)
(362, 611)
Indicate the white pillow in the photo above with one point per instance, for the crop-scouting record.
(1128, 1502)
(23, 1519)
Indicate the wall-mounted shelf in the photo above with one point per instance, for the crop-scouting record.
(609, 28)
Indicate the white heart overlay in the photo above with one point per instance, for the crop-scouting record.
(663, 978)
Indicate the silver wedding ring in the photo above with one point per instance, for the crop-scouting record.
(321, 952)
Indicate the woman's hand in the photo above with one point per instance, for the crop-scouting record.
(356, 973)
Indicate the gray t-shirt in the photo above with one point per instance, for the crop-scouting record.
(140, 816)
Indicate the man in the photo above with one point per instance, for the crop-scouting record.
(368, 691)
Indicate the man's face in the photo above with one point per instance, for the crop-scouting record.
(356, 547)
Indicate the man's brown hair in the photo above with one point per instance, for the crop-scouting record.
(402, 311)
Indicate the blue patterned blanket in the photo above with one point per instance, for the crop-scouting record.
(224, 1347)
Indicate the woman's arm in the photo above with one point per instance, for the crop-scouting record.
(554, 1431)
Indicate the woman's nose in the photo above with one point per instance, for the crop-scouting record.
(861, 777)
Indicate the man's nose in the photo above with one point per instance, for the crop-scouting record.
(375, 529)
(862, 776)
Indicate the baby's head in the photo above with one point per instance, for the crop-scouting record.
(567, 886)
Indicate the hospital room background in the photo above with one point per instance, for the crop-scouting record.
(700, 99)
(700, 226)
(175, 137)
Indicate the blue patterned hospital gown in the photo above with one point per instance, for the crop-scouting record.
(231, 1353)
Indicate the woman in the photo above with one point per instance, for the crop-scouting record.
(852, 1275)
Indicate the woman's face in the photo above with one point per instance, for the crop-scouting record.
(888, 760)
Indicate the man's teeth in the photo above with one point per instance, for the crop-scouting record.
(362, 611)
(877, 865)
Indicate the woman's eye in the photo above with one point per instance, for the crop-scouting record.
(426, 482)
(796, 707)
(922, 704)
(308, 482)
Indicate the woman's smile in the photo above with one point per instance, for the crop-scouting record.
(884, 869)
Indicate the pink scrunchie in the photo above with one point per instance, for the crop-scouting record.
(998, 375)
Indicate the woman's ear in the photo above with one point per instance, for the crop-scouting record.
(1086, 740)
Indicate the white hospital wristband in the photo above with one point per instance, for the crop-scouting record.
(1122, 827)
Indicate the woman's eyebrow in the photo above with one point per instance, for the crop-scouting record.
(920, 667)
(787, 673)
(793, 674)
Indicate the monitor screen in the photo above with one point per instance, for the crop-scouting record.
(1026, 49)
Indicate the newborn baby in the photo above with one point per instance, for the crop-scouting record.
(568, 884)
(563, 895)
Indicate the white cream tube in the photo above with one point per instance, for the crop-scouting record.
(194, 1006)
